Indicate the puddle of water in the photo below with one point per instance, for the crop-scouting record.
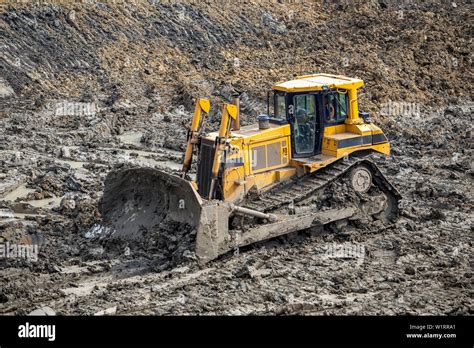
(82, 290)
(6, 214)
(23, 216)
(131, 138)
(170, 165)
(9, 215)
(73, 164)
(46, 202)
(144, 157)
(20, 192)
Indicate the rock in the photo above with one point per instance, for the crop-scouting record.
(65, 152)
(72, 15)
(410, 270)
(5, 89)
(47, 194)
(38, 195)
(43, 311)
(67, 204)
(3, 298)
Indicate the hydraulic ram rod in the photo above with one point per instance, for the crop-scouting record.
(251, 212)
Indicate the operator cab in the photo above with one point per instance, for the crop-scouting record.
(310, 104)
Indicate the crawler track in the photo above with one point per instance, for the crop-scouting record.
(312, 185)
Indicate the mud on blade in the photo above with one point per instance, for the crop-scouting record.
(136, 200)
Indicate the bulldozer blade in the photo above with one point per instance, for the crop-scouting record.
(136, 200)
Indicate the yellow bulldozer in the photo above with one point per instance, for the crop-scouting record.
(304, 164)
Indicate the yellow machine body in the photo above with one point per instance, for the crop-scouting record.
(256, 159)
(315, 122)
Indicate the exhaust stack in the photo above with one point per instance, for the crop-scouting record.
(236, 123)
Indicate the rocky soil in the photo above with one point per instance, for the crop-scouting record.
(87, 87)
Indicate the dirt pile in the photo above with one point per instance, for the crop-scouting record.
(157, 55)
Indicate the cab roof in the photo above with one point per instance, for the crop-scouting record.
(316, 82)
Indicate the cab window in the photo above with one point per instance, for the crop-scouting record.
(304, 123)
(335, 107)
(280, 106)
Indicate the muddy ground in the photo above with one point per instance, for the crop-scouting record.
(85, 88)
